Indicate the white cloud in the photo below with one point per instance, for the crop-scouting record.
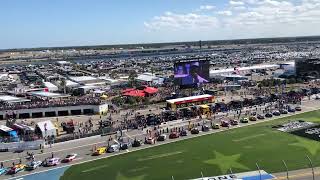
(182, 21)
(236, 3)
(248, 18)
(207, 7)
(225, 13)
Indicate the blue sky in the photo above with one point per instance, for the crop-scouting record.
(40, 23)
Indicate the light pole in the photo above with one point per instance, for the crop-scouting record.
(202, 175)
(259, 170)
(311, 165)
(231, 171)
(285, 165)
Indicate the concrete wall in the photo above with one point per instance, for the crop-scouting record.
(27, 145)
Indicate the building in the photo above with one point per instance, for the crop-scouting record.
(307, 67)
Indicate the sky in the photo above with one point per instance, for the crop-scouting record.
(47, 23)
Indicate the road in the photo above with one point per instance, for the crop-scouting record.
(83, 147)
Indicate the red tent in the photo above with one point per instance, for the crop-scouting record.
(128, 90)
(150, 90)
(135, 93)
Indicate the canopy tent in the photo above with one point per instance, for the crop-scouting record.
(51, 87)
(47, 128)
(128, 90)
(150, 90)
(135, 93)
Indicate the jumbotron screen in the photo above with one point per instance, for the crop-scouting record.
(191, 72)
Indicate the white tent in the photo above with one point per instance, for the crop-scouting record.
(47, 128)
(51, 87)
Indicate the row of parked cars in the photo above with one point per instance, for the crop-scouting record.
(204, 128)
(34, 164)
(254, 116)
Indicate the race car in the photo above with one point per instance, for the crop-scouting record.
(298, 108)
(136, 143)
(174, 135)
(33, 165)
(252, 118)
(234, 122)
(225, 123)
(125, 145)
(268, 115)
(244, 120)
(276, 113)
(69, 158)
(16, 168)
(51, 162)
(291, 109)
(183, 133)
(162, 137)
(283, 111)
(99, 151)
(150, 140)
(215, 126)
(3, 170)
(194, 131)
(113, 148)
(259, 116)
(205, 128)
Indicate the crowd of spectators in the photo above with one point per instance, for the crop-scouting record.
(51, 103)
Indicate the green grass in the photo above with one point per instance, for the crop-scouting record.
(213, 154)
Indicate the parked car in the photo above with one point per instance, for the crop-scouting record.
(276, 113)
(225, 124)
(113, 148)
(215, 126)
(150, 140)
(33, 165)
(259, 116)
(16, 168)
(205, 128)
(174, 135)
(234, 122)
(195, 131)
(291, 109)
(125, 145)
(99, 151)
(3, 170)
(183, 133)
(162, 137)
(244, 120)
(298, 108)
(136, 143)
(252, 118)
(283, 111)
(69, 158)
(268, 115)
(51, 162)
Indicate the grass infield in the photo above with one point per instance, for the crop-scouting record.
(212, 155)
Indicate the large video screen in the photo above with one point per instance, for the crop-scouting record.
(191, 72)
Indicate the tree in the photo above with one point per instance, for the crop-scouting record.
(63, 84)
(132, 77)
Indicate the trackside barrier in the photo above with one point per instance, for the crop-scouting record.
(22, 145)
